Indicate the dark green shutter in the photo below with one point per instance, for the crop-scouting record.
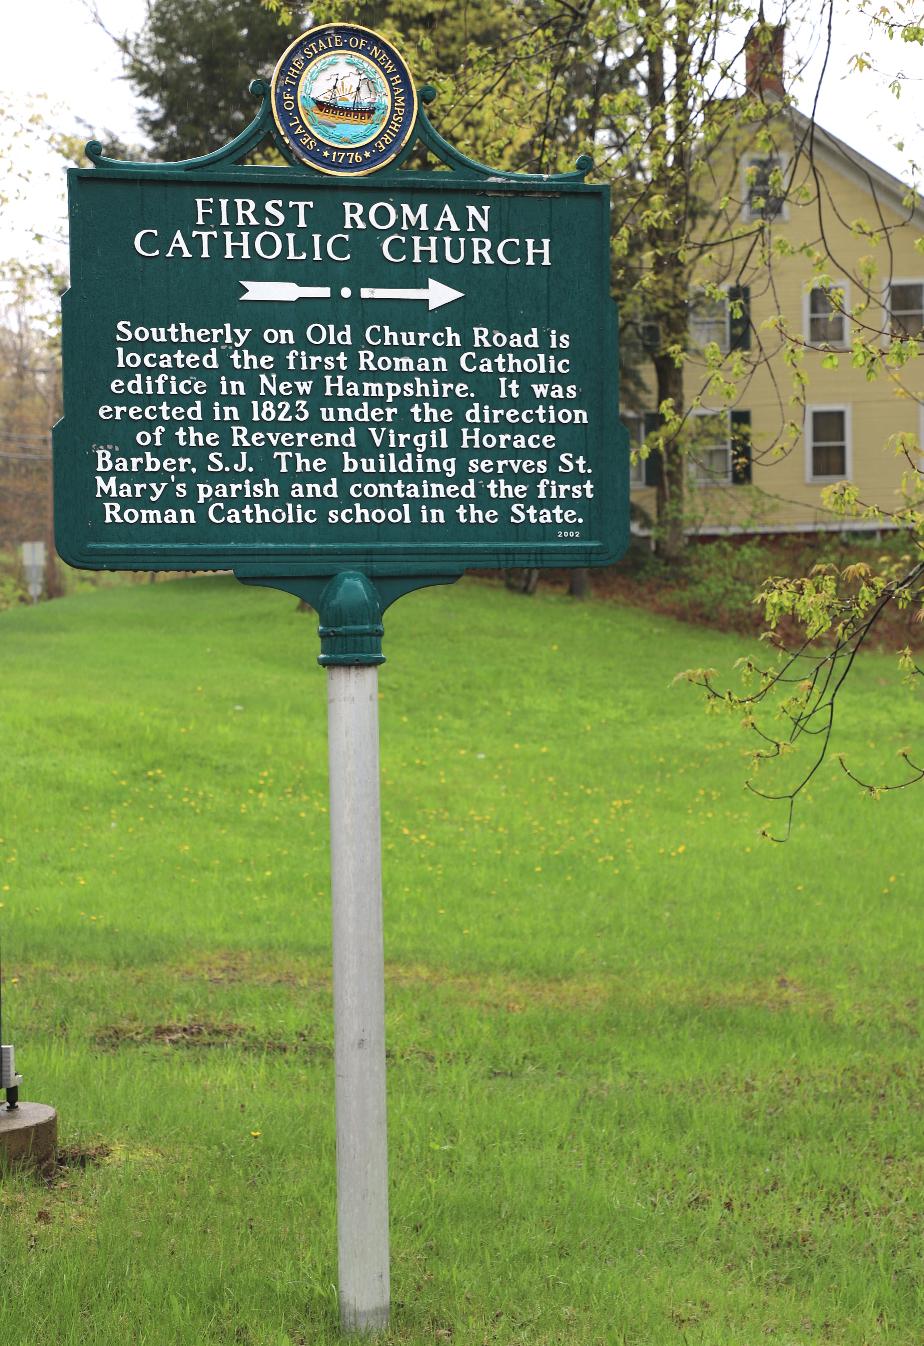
(741, 448)
(739, 329)
(653, 461)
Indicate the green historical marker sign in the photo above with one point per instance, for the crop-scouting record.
(290, 372)
(346, 383)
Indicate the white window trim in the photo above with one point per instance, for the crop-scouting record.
(887, 300)
(836, 284)
(639, 416)
(847, 474)
(708, 483)
(747, 161)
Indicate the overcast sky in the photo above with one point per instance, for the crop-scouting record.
(75, 79)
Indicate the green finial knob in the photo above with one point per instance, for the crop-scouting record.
(350, 628)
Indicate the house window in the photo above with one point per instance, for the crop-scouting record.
(827, 323)
(906, 308)
(708, 321)
(725, 320)
(635, 425)
(827, 440)
(763, 182)
(709, 448)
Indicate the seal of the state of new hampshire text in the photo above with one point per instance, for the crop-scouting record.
(343, 100)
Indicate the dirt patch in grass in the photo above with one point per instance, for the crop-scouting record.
(776, 996)
(491, 991)
(261, 967)
(197, 1033)
(81, 1156)
(69, 1158)
(202, 1033)
(506, 995)
(303, 1044)
(307, 984)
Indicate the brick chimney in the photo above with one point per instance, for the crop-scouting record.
(763, 57)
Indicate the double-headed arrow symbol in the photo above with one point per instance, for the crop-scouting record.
(284, 291)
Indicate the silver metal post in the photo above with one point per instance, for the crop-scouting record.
(359, 998)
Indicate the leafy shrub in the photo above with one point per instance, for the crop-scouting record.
(12, 590)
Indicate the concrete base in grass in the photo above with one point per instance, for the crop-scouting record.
(28, 1135)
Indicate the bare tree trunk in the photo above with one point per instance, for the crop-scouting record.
(671, 483)
(521, 581)
(579, 582)
(54, 587)
(669, 299)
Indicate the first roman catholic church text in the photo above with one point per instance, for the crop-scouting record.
(242, 228)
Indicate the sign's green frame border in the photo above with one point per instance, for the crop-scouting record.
(383, 559)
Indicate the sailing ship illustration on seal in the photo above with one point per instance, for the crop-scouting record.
(344, 100)
(348, 98)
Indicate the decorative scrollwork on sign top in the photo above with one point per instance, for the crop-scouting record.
(263, 128)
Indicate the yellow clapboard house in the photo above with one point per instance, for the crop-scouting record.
(760, 462)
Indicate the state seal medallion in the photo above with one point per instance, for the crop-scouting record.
(343, 100)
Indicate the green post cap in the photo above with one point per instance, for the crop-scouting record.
(350, 613)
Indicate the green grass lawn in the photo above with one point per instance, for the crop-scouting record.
(651, 1079)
